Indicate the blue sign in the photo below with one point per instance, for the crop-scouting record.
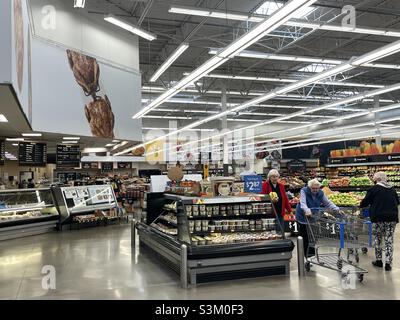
(252, 184)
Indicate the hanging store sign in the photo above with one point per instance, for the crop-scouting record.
(252, 184)
(90, 165)
(365, 159)
(107, 166)
(296, 166)
(68, 156)
(32, 154)
(124, 165)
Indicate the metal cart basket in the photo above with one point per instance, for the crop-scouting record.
(338, 231)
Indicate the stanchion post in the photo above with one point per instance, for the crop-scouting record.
(184, 270)
(133, 233)
(300, 257)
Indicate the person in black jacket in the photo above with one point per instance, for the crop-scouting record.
(384, 213)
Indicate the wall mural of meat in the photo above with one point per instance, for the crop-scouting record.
(19, 41)
(98, 112)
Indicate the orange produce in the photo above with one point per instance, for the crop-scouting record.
(396, 147)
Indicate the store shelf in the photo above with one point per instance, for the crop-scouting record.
(18, 222)
(202, 233)
(162, 219)
(229, 216)
(351, 189)
(28, 208)
(218, 200)
(364, 164)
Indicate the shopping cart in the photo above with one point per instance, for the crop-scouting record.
(337, 231)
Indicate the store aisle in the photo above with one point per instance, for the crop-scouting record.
(96, 264)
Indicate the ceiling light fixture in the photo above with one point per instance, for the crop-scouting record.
(71, 138)
(258, 32)
(3, 118)
(170, 60)
(131, 28)
(79, 3)
(31, 134)
(222, 14)
(15, 139)
(281, 57)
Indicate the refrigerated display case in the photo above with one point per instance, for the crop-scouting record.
(94, 204)
(25, 212)
(226, 237)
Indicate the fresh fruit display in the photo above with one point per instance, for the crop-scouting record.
(361, 181)
(292, 182)
(344, 199)
(343, 182)
(325, 182)
(367, 148)
(327, 191)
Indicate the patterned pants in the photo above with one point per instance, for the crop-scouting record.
(386, 230)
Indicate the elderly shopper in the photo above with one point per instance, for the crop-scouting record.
(281, 203)
(383, 201)
(311, 199)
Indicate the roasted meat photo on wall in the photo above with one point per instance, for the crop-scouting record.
(19, 41)
(98, 112)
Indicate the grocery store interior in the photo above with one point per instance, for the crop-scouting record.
(199, 149)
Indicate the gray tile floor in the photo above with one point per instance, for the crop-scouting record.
(96, 263)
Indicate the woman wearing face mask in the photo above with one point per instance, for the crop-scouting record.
(311, 199)
(384, 214)
(281, 203)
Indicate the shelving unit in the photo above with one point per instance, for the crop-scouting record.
(216, 252)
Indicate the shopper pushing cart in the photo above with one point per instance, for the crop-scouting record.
(311, 197)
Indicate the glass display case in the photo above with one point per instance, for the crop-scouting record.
(226, 237)
(26, 212)
(87, 204)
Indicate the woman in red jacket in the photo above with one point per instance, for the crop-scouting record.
(281, 204)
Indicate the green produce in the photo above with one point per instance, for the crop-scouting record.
(344, 199)
(325, 182)
(360, 182)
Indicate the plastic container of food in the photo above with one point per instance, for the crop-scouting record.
(195, 242)
(204, 223)
(211, 228)
(197, 223)
(197, 228)
(225, 227)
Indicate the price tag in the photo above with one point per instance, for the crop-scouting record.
(252, 184)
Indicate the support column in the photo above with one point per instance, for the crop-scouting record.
(378, 140)
(224, 124)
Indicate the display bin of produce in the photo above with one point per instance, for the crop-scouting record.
(227, 237)
(26, 212)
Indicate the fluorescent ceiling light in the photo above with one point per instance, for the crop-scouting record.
(15, 144)
(282, 57)
(154, 128)
(15, 139)
(94, 150)
(131, 28)
(166, 117)
(110, 145)
(258, 32)
(115, 141)
(269, 7)
(170, 60)
(79, 3)
(3, 118)
(71, 138)
(69, 142)
(264, 79)
(31, 134)
(222, 14)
